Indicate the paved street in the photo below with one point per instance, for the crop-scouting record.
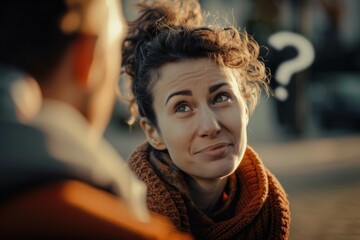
(322, 179)
(326, 212)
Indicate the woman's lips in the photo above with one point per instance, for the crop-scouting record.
(215, 151)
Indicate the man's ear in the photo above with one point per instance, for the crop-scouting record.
(84, 48)
(152, 135)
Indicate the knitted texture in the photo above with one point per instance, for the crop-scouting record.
(257, 209)
(161, 198)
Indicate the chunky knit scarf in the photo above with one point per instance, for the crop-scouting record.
(256, 206)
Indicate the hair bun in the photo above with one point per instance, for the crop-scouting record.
(171, 12)
(157, 14)
(154, 16)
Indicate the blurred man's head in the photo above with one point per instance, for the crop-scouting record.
(71, 47)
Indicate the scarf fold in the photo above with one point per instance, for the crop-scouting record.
(256, 206)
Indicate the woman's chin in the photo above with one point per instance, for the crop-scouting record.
(221, 170)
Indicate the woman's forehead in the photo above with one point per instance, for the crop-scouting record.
(192, 70)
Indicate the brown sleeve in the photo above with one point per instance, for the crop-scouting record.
(74, 210)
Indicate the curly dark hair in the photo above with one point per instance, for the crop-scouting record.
(171, 31)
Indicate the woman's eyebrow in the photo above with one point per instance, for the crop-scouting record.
(189, 93)
(217, 86)
(182, 92)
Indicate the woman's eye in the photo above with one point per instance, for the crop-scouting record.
(182, 107)
(222, 97)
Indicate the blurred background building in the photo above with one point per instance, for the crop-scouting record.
(310, 138)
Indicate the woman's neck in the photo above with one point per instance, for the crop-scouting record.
(206, 193)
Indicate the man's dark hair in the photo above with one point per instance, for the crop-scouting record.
(30, 35)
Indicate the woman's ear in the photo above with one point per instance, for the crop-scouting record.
(152, 134)
(84, 48)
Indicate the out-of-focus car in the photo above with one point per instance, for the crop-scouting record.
(335, 98)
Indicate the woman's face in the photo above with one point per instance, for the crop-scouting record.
(202, 118)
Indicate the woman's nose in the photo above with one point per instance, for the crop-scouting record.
(208, 125)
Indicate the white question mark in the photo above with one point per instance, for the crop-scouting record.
(304, 58)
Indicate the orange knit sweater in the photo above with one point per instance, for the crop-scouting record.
(256, 206)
